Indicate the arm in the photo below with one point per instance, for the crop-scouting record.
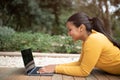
(91, 52)
(51, 68)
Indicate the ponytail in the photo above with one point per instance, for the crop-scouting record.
(98, 26)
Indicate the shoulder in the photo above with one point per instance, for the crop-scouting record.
(96, 38)
(97, 35)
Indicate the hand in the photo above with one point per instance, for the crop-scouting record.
(47, 69)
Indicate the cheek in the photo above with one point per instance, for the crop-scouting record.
(74, 34)
(71, 33)
(81, 34)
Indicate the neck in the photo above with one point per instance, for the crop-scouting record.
(86, 36)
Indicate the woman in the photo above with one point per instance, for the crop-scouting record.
(98, 48)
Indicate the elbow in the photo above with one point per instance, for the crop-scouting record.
(83, 75)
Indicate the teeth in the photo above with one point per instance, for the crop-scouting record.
(39, 61)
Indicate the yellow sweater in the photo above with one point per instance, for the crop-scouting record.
(97, 51)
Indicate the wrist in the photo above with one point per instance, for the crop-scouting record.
(54, 68)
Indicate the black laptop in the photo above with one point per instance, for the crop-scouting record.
(29, 64)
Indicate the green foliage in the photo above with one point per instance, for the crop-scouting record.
(35, 15)
(6, 32)
(116, 28)
(6, 35)
(117, 34)
(49, 16)
(40, 42)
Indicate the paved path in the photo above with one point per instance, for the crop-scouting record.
(14, 59)
(40, 54)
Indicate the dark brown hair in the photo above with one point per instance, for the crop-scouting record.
(91, 23)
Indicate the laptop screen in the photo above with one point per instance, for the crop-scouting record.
(28, 59)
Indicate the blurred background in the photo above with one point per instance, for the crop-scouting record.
(40, 24)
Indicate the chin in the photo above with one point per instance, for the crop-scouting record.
(75, 40)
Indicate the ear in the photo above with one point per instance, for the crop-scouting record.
(82, 27)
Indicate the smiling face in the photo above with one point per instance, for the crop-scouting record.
(79, 26)
(74, 32)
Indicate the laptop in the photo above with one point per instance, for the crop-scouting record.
(29, 64)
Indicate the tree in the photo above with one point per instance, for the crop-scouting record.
(27, 14)
(55, 7)
(50, 15)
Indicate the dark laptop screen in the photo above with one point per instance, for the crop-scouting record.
(28, 59)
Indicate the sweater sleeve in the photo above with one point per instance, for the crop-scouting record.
(70, 64)
(91, 52)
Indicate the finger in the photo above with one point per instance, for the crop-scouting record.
(41, 70)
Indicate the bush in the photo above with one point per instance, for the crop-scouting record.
(6, 35)
(41, 43)
(64, 44)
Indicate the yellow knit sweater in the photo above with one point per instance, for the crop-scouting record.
(97, 51)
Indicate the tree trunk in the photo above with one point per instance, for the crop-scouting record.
(55, 29)
(107, 18)
(105, 15)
